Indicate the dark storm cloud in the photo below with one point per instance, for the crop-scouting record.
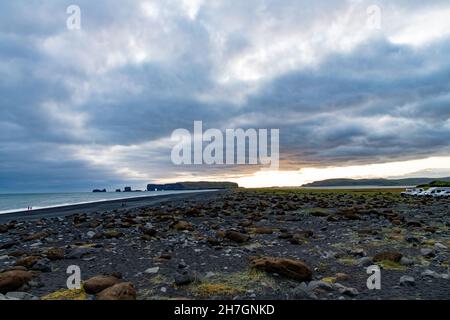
(97, 107)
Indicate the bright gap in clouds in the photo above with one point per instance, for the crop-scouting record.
(423, 27)
(381, 170)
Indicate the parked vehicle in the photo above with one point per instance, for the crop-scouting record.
(441, 193)
(436, 192)
(411, 192)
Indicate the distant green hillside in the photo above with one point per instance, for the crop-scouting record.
(437, 183)
(375, 182)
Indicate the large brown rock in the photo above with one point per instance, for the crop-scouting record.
(55, 253)
(294, 269)
(120, 291)
(349, 213)
(3, 228)
(97, 284)
(236, 236)
(13, 280)
(151, 232)
(113, 234)
(183, 225)
(27, 262)
(300, 236)
(388, 256)
(262, 230)
(37, 236)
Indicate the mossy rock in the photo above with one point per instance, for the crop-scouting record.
(429, 242)
(329, 280)
(391, 265)
(348, 261)
(227, 285)
(319, 212)
(216, 289)
(66, 294)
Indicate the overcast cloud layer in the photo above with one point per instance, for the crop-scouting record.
(96, 107)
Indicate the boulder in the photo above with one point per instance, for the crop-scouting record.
(80, 252)
(8, 245)
(150, 232)
(3, 228)
(427, 252)
(407, 281)
(262, 230)
(120, 291)
(342, 276)
(352, 292)
(300, 236)
(20, 296)
(183, 225)
(27, 262)
(213, 241)
(113, 234)
(97, 284)
(294, 269)
(388, 256)
(236, 236)
(55, 253)
(42, 265)
(14, 279)
(37, 236)
(183, 279)
(303, 292)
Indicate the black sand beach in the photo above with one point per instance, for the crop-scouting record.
(129, 203)
(242, 244)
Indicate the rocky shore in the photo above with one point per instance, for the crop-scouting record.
(240, 244)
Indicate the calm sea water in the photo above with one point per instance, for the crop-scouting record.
(20, 202)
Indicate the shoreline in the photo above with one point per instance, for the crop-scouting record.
(103, 205)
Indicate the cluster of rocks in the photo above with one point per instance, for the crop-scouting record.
(303, 245)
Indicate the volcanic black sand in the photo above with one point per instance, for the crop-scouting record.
(247, 244)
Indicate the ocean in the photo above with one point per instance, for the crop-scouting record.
(20, 202)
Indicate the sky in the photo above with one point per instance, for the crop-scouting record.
(357, 89)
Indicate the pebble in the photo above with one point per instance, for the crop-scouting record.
(407, 281)
(3, 298)
(365, 262)
(303, 292)
(42, 265)
(78, 253)
(153, 270)
(90, 234)
(406, 261)
(440, 246)
(411, 239)
(427, 252)
(320, 285)
(20, 296)
(183, 279)
(36, 244)
(351, 292)
(431, 273)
